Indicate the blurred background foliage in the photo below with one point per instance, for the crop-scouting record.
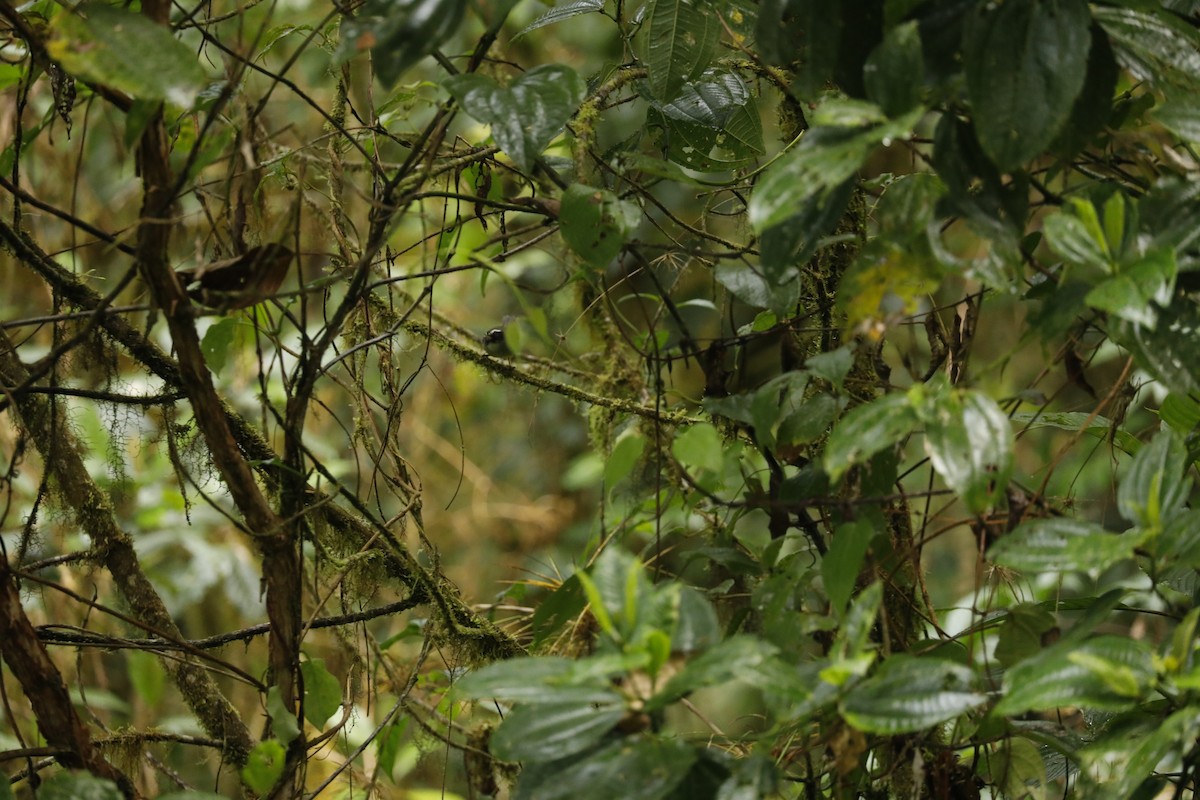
(613, 272)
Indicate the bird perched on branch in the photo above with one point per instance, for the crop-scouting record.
(238, 282)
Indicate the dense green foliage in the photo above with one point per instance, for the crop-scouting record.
(829, 370)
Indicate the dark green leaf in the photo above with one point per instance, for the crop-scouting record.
(1060, 544)
(563, 604)
(910, 694)
(546, 731)
(1156, 487)
(536, 679)
(217, 341)
(1153, 45)
(681, 39)
(564, 11)
(1171, 350)
(790, 244)
(969, 442)
(1078, 237)
(1025, 63)
(322, 692)
(1181, 412)
(744, 658)
(126, 51)
(595, 223)
(78, 786)
(699, 447)
(265, 766)
(712, 125)
(284, 724)
(866, 430)
(1021, 633)
(1141, 756)
(398, 33)
(696, 623)
(832, 366)
(1106, 672)
(841, 565)
(894, 73)
(525, 115)
(639, 768)
(823, 161)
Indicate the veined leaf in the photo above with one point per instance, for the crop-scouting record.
(559, 13)
(969, 441)
(824, 159)
(680, 43)
(1054, 678)
(1025, 62)
(546, 731)
(118, 48)
(910, 694)
(1061, 544)
(525, 115)
(866, 430)
(1156, 487)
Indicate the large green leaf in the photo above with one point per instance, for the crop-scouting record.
(1153, 45)
(1061, 544)
(680, 42)
(536, 679)
(641, 768)
(546, 731)
(893, 74)
(866, 430)
(1104, 673)
(1140, 756)
(969, 442)
(1025, 62)
(825, 158)
(712, 124)
(525, 115)
(1170, 350)
(322, 692)
(398, 33)
(1156, 487)
(841, 565)
(595, 223)
(123, 50)
(744, 658)
(911, 694)
(78, 786)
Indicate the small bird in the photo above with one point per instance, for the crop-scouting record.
(494, 343)
(238, 282)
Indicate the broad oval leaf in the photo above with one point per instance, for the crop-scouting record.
(824, 159)
(1153, 45)
(1061, 544)
(322, 692)
(546, 731)
(126, 51)
(866, 430)
(744, 658)
(1170, 350)
(969, 441)
(910, 694)
(641, 768)
(536, 679)
(1156, 486)
(841, 565)
(78, 786)
(527, 114)
(595, 223)
(1080, 674)
(1025, 63)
